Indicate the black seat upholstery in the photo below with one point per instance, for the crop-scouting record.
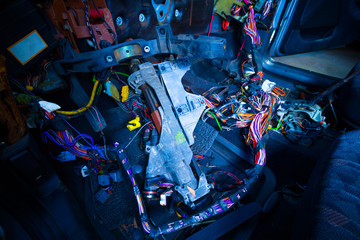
(331, 205)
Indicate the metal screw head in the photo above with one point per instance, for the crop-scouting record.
(177, 13)
(141, 17)
(162, 31)
(109, 59)
(119, 21)
(147, 49)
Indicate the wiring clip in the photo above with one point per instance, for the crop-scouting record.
(134, 124)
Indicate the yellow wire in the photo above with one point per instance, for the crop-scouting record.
(83, 109)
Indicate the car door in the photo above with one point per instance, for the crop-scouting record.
(309, 25)
(309, 38)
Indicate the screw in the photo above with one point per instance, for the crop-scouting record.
(147, 49)
(177, 13)
(109, 59)
(119, 21)
(141, 17)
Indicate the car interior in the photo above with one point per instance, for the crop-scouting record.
(180, 119)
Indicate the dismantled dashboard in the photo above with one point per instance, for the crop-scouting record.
(134, 103)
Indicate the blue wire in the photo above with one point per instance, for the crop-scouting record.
(67, 146)
(84, 136)
(19, 85)
(78, 133)
(48, 135)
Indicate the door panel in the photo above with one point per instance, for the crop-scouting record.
(318, 24)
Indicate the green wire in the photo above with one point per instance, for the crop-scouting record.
(124, 74)
(98, 90)
(278, 126)
(215, 119)
(205, 222)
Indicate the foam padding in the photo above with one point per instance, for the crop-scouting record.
(204, 138)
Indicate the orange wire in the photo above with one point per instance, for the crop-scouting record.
(278, 91)
(299, 124)
(242, 66)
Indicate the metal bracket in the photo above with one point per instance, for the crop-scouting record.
(162, 10)
(188, 107)
(171, 157)
(193, 46)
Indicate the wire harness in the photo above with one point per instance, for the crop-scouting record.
(257, 118)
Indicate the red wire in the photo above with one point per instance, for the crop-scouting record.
(142, 109)
(212, 18)
(151, 126)
(243, 44)
(225, 24)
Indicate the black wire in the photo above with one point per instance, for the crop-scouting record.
(88, 24)
(97, 10)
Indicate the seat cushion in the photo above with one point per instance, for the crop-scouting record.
(332, 205)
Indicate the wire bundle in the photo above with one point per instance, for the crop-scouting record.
(235, 10)
(65, 140)
(250, 27)
(256, 135)
(267, 8)
(243, 109)
(253, 109)
(249, 108)
(299, 128)
(142, 212)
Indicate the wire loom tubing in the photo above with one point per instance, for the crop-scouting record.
(219, 207)
(83, 109)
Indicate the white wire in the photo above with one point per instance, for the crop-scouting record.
(204, 113)
(136, 134)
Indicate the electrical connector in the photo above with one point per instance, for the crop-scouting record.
(116, 176)
(104, 180)
(124, 93)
